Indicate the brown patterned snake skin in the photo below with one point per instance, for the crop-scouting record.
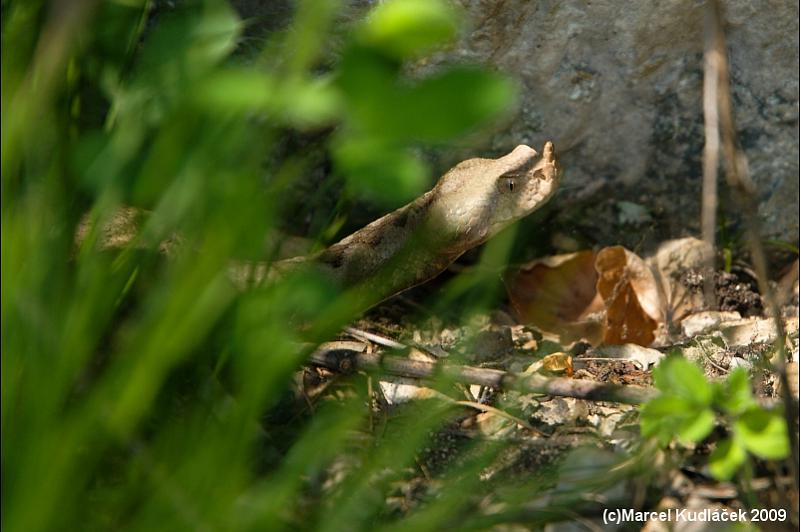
(472, 202)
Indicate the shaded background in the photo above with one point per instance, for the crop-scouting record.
(618, 87)
(145, 392)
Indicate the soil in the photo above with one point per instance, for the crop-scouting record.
(561, 429)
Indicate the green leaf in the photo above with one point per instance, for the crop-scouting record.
(456, 102)
(669, 416)
(763, 433)
(726, 459)
(734, 394)
(118, 29)
(307, 37)
(435, 110)
(410, 28)
(188, 42)
(694, 427)
(177, 55)
(236, 90)
(312, 102)
(368, 83)
(658, 417)
(184, 46)
(678, 376)
(379, 171)
(299, 102)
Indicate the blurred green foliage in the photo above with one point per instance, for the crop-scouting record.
(144, 393)
(148, 394)
(689, 408)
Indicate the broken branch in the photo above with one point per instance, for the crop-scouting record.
(347, 361)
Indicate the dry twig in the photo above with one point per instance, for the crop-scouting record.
(717, 94)
(346, 361)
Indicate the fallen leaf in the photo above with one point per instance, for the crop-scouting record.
(631, 296)
(567, 295)
(670, 264)
(643, 357)
(706, 321)
(552, 363)
(558, 363)
(748, 331)
(558, 294)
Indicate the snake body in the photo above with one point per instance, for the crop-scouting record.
(472, 202)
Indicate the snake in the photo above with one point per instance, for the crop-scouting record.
(469, 204)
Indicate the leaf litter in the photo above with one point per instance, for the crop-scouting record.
(606, 316)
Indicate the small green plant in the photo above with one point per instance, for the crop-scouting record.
(690, 406)
(730, 241)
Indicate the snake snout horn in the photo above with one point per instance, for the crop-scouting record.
(549, 152)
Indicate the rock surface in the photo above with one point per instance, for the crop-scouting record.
(618, 87)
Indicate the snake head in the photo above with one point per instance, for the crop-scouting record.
(478, 198)
(526, 181)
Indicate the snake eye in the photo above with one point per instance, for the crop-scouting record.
(507, 184)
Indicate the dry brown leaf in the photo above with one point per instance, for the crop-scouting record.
(553, 363)
(642, 357)
(669, 264)
(558, 294)
(631, 296)
(558, 363)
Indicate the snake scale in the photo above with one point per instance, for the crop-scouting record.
(469, 204)
(472, 202)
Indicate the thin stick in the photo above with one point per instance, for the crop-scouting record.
(708, 212)
(347, 362)
(372, 337)
(738, 179)
(387, 342)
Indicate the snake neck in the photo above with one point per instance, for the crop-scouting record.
(400, 250)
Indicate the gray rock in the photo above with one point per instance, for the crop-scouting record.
(705, 321)
(618, 87)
